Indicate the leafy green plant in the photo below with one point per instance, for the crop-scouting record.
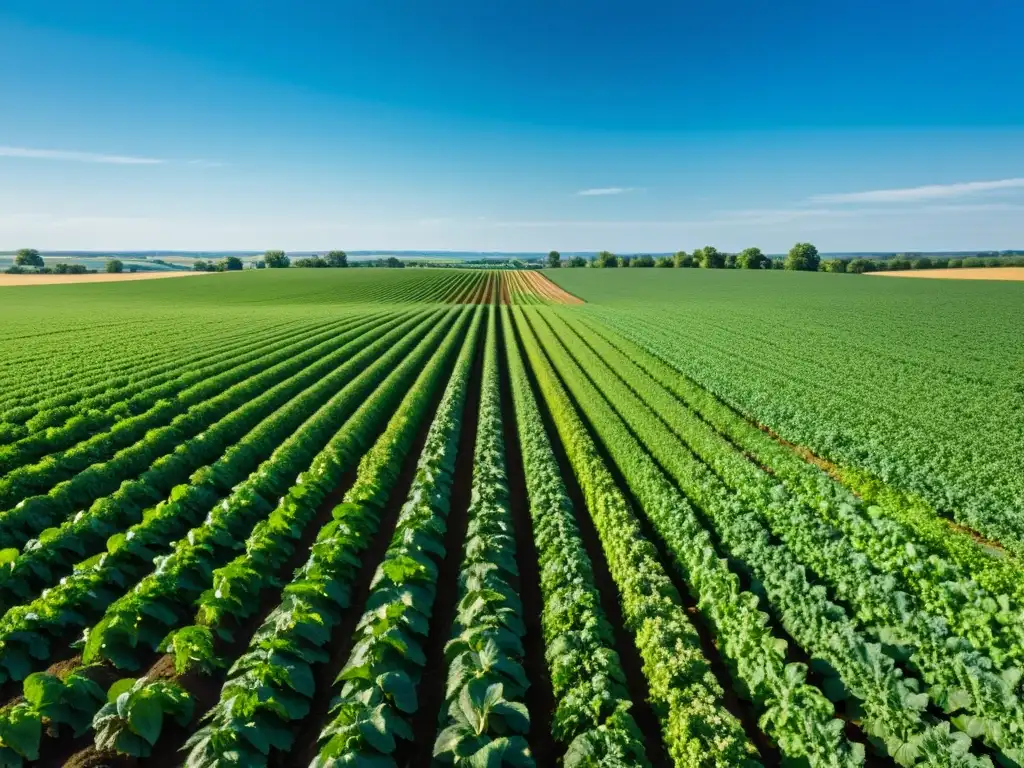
(48, 700)
(591, 715)
(486, 720)
(133, 717)
(192, 649)
(486, 729)
(272, 683)
(380, 677)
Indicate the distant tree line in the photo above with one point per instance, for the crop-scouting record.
(803, 257)
(227, 264)
(280, 260)
(30, 261)
(906, 261)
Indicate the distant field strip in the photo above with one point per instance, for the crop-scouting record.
(460, 517)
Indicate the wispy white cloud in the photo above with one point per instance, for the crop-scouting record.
(31, 153)
(598, 191)
(77, 157)
(920, 194)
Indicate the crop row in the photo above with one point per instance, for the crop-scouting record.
(696, 726)
(31, 627)
(591, 716)
(963, 681)
(892, 707)
(135, 624)
(370, 716)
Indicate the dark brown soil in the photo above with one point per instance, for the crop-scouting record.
(540, 699)
(305, 745)
(205, 689)
(794, 652)
(742, 710)
(432, 684)
(632, 666)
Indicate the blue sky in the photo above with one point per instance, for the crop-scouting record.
(640, 126)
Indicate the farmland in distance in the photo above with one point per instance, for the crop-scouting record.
(471, 517)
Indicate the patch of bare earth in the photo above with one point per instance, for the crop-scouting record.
(103, 277)
(543, 286)
(971, 273)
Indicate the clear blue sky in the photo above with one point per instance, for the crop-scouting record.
(632, 126)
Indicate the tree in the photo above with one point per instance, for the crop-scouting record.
(622, 261)
(709, 257)
(577, 261)
(645, 260)
(664, 261)
(231, 264)
(69, 269)
(115, 265)
(338, 259)
(313, 262)
(683, 260)
(28, 257)
(923, 263)
(276, 259)
(803, 257)
(605, 260)
(554, 260)
(834, 265)
(752, 258)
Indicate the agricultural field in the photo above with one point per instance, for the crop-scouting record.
(512, 518)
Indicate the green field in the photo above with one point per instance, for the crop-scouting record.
(921, 385)
(362, 517)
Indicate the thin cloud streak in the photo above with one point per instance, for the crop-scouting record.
(77, 157)
(919, 194)
(600, 191)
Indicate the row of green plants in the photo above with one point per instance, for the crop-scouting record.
(126, 483)
(697, 728)
(55, 429)
(991, 620)
(892, 706)
(370, 717)
(126, 391)
(120, 390)
(933, 416)
(96, 366)
(795, 715)
(271, 685)
(999, 574)
(153, 464)
(484, 720)
(74, 475)
(28, 630)
(235, 589)
(144, 620)
(964, 680)
(591, 716)
(135, 624)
